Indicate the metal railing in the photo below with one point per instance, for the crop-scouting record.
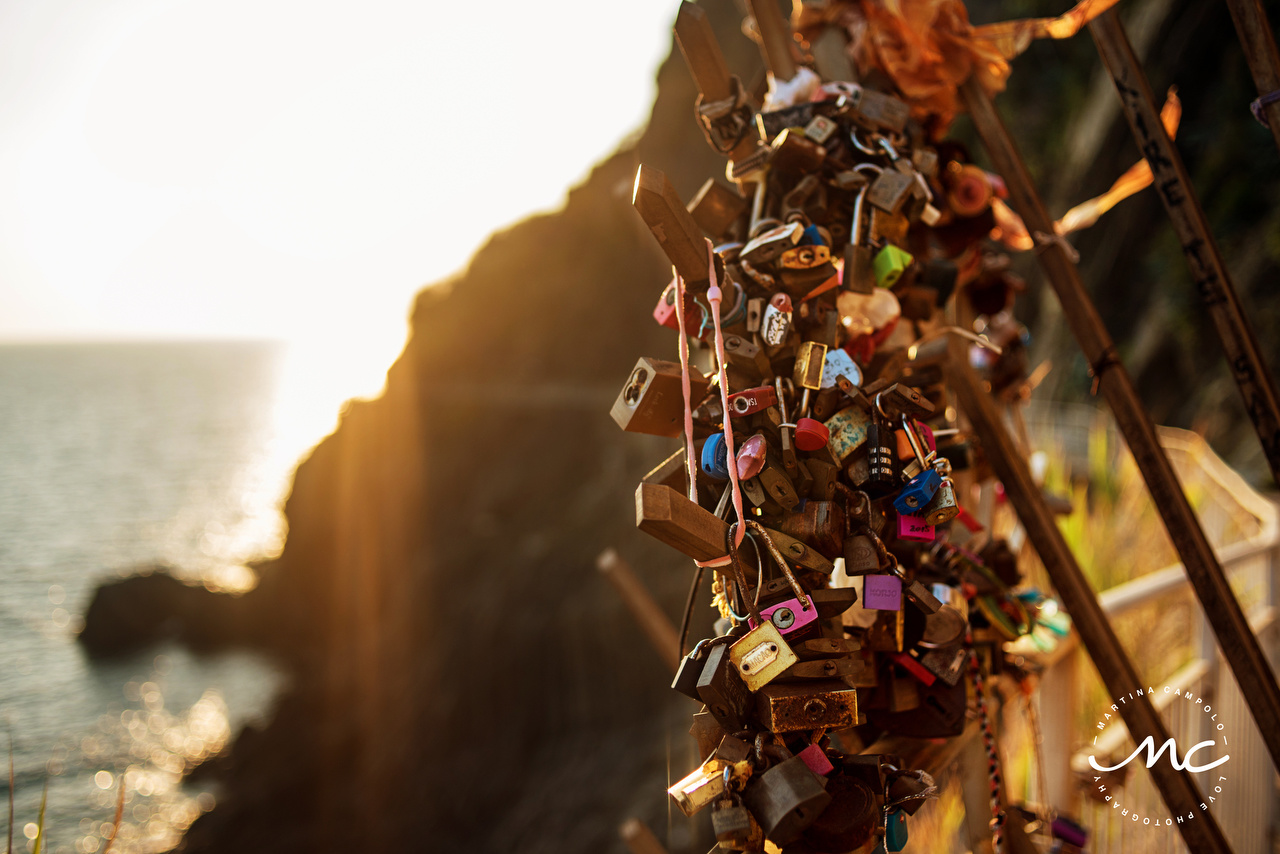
(1247, 808)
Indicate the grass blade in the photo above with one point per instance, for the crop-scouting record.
(40, 823)
(115, 826)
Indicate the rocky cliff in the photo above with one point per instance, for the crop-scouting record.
(462, 676)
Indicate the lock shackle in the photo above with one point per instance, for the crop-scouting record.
(925, 460)
(782, 400)
(862, 146)
(852, 497)
(803, 598)
(753, 608)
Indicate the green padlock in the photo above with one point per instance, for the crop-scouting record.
(889, 265)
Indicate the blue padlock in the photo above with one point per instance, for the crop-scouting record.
(895, 831)
(811, 237)
(715, 457)
(915, 495)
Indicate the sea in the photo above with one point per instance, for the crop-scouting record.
(118, 457)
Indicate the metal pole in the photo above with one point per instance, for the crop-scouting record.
(1176, 787)
(647, 613)
(1260, 52)
(1176, 192)
(1239, 647)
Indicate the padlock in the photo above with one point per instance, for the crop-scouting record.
(796, 153)
(942, 507)
(752, 400)
(778, 486)
(813, 648)
(774, 122)
(970, 189)
(760, 656)
(825, 475)
(701, 787)
(882, 592)
(733, 823)
(918, 492)
(849, 822)
(811, 435)
(818, 527)
(890, 190)
(745, 356)
(790, 617)
(786, 799)
(885, 634)
(755, 314)
(751, 457)
(881, 477)
(798, 552)
(849, 428)
(665, 311)
(715, 459)
(777, 320)
(716, 208)
(908, 790)
(797, 707)
(816, 758)
(889, 265)
(690, 670)
(915, 528)
(805, 257)
(860, 555)
(837, 364)
(820, 129)
(895, 834)
(723, 690)
(878, 111)
(917, 593)
(810, 359)
(652, 400)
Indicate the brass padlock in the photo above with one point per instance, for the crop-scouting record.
(879, 111)
(807, 705)
(860, 555)
(810, 359)
(701, 787)
(652, 400)
(761, 655)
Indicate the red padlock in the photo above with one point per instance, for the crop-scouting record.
(742, 403)
(665, 312)
(811, 435)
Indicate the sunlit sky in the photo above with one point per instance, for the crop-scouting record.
(288, 169)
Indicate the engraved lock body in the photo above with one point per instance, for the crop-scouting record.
(777, 320)
(860, 555)
(761, 655)
(701, 787)
(805, 706)
(751, 401)
(786, 799)
(652, 400)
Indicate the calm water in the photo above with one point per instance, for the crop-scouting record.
(114, 456)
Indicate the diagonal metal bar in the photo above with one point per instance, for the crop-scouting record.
(1239, 646)
(1180, 795)
(1260, 52)
(1176, 192)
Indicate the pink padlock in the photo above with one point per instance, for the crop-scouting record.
(914, 528)
(788, 617)
(751, 457)
(817, 761)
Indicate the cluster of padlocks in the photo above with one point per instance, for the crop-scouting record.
(819, 454)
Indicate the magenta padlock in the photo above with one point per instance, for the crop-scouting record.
(811, 435)
(788, 617)
(817, 760)
(914, 528)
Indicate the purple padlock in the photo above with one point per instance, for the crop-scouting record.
(881, 593)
